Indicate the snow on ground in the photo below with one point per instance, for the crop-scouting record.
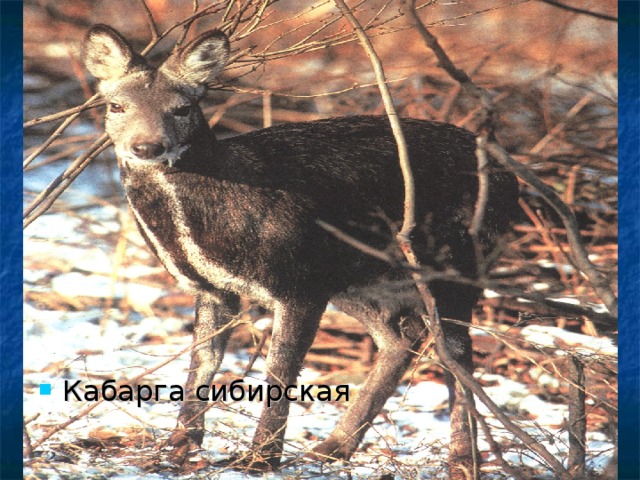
(68, 258)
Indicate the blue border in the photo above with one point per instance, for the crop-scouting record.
(11, 240)
(629, 134)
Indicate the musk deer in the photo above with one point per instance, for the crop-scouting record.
(246, 216)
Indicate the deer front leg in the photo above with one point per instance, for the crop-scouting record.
(295, 327)
(213, 313)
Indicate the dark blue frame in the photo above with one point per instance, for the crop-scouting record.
(11, 240)
(629, 194)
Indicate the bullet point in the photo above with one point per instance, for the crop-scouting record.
(45, 389)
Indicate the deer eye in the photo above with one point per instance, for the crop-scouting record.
(182, 111)
(116, 108)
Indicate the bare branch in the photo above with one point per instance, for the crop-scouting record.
(91, 103)
(152, 24)
(60, 130)
(601, 16)
(577, 417)
(483, 192)
(46, 197)
(362, 246)
(584, 101)
(467, 379)
(403, 155)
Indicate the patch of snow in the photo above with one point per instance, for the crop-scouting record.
(553, 337)
(76, 284)
(263, 323)
(488, 293)
(565, 268)
(55, 226)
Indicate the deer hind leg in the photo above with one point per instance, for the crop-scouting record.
(456, 301)
(213, 313)
(295, 327)
(395, 335)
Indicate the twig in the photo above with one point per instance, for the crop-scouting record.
(481, 202)
(152, 24)
(91, 103)
(495, 447)
(49, 195)
(59, 131)
(559, 256)
(443, 59)
(403, 155)
(538, 147)
(258, 350)
(187, 26)
(349, 240)
(468, 380)
(601, 16)
(28, 448)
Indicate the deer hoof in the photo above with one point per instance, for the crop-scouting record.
(184, 443)
(331, 450)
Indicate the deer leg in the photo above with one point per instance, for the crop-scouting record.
(295, 327)
(395, 339)
(455, 301)
(213, 313)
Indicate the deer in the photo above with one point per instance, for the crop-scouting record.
(247, 216)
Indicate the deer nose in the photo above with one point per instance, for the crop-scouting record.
(147, 151)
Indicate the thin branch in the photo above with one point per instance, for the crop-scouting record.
(483, 196)
(152, 23)
(91, 103)
(262, 91)
(443, 59)
(362, 246)
(601, 16)
(495, 447)
(187, 26)
(403, 155)
(256, 18)
(577, 417)
(58, 131)
(544, 141)
(46, 197)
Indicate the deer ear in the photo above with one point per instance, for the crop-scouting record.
(106, 54)
(200, 61)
